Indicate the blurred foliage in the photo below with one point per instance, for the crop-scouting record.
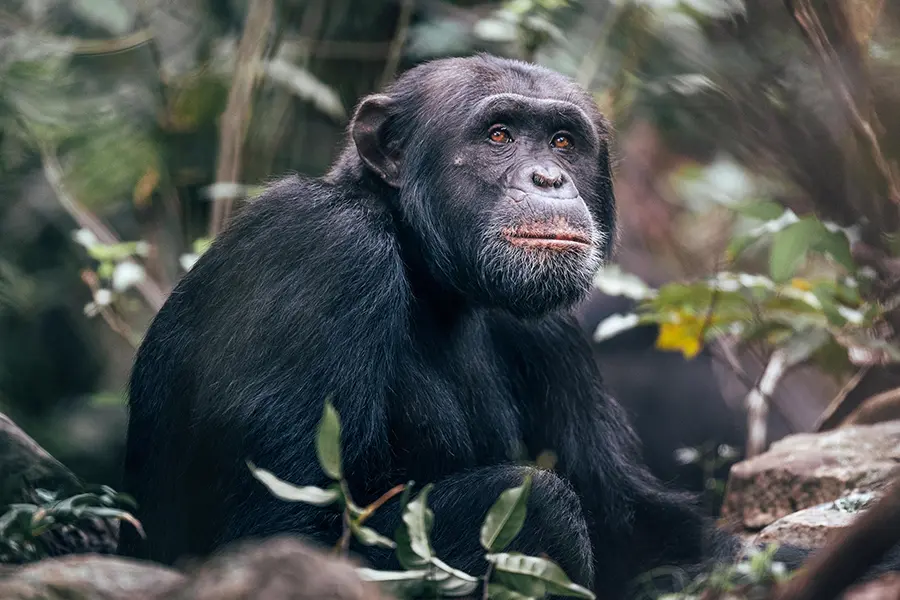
(774, 161)
(30, 532)
(755, 577)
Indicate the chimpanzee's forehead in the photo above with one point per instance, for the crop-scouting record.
(483, 85)
(483, 76)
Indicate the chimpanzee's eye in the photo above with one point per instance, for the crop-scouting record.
(561, 141)
(500, 134)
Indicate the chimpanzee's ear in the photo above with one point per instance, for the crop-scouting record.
(367, 129)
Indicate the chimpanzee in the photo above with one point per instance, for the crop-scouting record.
(425, 285)
(670, 401)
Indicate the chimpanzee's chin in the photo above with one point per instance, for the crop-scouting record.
(532, 284)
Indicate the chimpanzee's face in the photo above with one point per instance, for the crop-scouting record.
(505, 171)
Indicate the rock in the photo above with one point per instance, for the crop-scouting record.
(25, 467)
(805, 470)
(280, 568)
(814, 527)
(87, 577)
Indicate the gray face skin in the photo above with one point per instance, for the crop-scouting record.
(518, 212)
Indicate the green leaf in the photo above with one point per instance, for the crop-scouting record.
(16, 513)
(328, 442)
(525, 571)
(412, 536)
(790, 246)
(505, 519)
(400, 584)
(827, 298)
(114, 252)
(766, 331)
(369, 537)
(881, 349)
(106, 270)
(285, 491)
(354, 510)
(368, 574)
(802, 345)
(738, 245)
(415, 583)
(73, 502)
(404, 497)
(499, 592)
(453, 582)
(102, 512)
(763, 210)
(837, 246)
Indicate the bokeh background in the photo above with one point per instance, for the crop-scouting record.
(754, 289)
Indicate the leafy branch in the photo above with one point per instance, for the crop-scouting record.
(510, 575)
(824, 318)
(25, 527)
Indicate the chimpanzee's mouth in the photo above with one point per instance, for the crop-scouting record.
(555, 237)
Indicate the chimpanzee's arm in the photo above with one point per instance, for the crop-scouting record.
(636, 524)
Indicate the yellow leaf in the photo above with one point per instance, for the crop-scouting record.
(145, 186)
(683, 336)
(801, 284)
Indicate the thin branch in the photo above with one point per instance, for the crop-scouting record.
(710, 312)
(838, 409)
(487, 579)
(369, 510)
(758, 406)
(396, 48)
(343, 544)
(236, 117)
(723, 354)
(116, 323)
(815, 35)
(113, 46)
(148, 288)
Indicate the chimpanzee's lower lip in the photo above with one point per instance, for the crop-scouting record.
(549, 242)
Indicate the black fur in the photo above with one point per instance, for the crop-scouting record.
(671, 402)
(448, 347)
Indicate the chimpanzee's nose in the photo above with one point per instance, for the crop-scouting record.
(545, 180)
(550, 177)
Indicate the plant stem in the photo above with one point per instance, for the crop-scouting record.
(343, 545)
(487, 580)
(397, 489)
(236, 117)
(53, 172)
